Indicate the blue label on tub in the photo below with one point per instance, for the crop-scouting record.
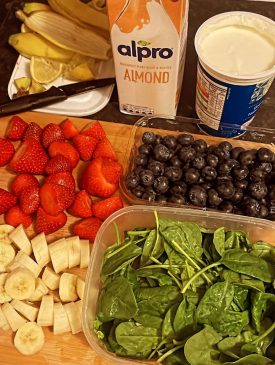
(225, 108)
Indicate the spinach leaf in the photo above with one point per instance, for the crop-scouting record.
(259, 304)
(242, 280)
(231, 346)
(245, 263)
(237, 239)
(168, 331)
(264, 250)
(251, 360)
(185, 318)
(153, 247)
(150, 311)
(219, 240)
(156, 274)
(177, 358)
(164, 294)
(230, 323)
(241, 298)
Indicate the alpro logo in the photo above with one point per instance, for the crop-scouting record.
(141, 51)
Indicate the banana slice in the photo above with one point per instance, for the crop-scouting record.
(4, 324)
(4, 297)
(59, 255)
(14, 318)
(41, 250)
(23, 260)
(73, 251)
(60, 319)
(27, 310)
(40, 290)
(45, 314)
(5, 230)
(7, 254)
(67, 287)
(21, 240)
(29, 339)
(20, 284)
(84, 253)
(80, 286)
(74, 317)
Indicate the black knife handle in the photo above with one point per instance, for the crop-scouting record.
(33, 101)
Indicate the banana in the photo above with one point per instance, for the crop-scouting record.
(40, 291)
(14, 319)
(7, 254)
(74, 317)
(20, 284)
(73, 251)
(59, 255)
(41, 250)
(5, 230)
(20, 239)
(50, 278)
(24, 29)
(4, 297)
(45, 314)
(29, 339)
(29, 8)
(79, 306)
(80, 286)
(23, 260)
(67, 287)
(4, 324)
(60, 319)
(27, 310)
(84, 253)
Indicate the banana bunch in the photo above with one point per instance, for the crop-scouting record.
(34, 289)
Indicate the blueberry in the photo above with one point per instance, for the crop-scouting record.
(257, 174)
(265, 155)
(177, 199)
(226, 190)
(179, 188)
(186, 154)
(173, 173)
(141, 160)
(266, 167)
(209, 173)
(138, 191)
(132, 181)
(170, 142)
(247, 158)
(146, 177)
(251, 207)
(176, 162)
(161, 198)
(191, 176)
(240, 172)
(241, 184)
(162, 153)
(257, 190)
(200, 146)
(199, 162)
(185, 139)
(264, 211)
(145, 149)
(149, 138)
(212, 160)
(156, 167)
(207, 185)
(221, 153)
(226, 146)
(238, 196)
(197, 196)
(149, 195)
(161, 185)
(226, 206)
(214, 198)
(235, 152)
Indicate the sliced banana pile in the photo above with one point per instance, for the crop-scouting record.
(35, 290)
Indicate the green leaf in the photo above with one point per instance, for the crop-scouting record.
(167, 326)
(241, 298)
(230, 323)
(259, 304)
(264, 250)
(185, 317)
(150, 312)
(219, 240)
(251, 360)
(231, 346)
(177, 358)
(156, 274)
(153, 246)
(243, 280)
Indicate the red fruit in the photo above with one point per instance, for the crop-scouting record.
(82, 205)
(15, 216)
(85, 146)
(6, 151)
(55, 198)
(30, 157)
(69, 129)
(94, 129)
(29, 199)
(23, 181)
(7, 200)
(96, 177)
(104, 149)
(58, 163)
(51, 133)
(33, 131)
(65, 149)
(47, 223)
(105, 208)
(16, 129)
(87, 228)
(62, 178)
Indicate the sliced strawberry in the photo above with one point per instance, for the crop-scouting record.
(30, 158)
(104, 149)
(69, 129)
(87, 228)
(65, 149)
(23, 181)
(58, 163)
(51, 133)
(112, 171)
(15, 216)
(62, 178)
(55, 198)
(16, 129)
(47, 223)
(33, 131)
(96, 181)
(82, 205)
(85, 146)
(29, 199)
(6, 151)
(106, 207)
(94, 129)
(7, 200)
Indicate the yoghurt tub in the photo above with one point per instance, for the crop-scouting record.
(236, 67)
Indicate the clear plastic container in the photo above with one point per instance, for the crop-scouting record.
(137, 216)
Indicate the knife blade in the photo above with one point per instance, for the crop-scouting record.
(53, 95)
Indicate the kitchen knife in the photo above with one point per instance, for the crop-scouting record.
(53, 95)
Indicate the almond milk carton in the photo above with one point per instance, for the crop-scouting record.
(149, 44)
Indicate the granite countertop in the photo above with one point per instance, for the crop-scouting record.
(200, 10)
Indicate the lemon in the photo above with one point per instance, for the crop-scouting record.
(44, 70)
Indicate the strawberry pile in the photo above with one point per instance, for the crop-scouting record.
(54, 152)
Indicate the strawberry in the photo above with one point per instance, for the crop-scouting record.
(16, 129)
(30, 157)
(65, 149)
(33, 131)
(7, 200)
(6, 151)
(51, 133)
(21, 182)
(87, 228)
(55, 198)
(29, 199)
(69, 129)
(95, 130)
(104, 149)
(85, 146)
(96, 177)
(106, 207)
(58, 163)
(62, 178)
(82, 205)
(15, 216)
(47, 223)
